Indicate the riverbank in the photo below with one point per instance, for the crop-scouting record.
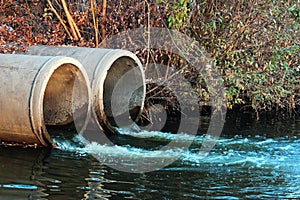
(254, 45)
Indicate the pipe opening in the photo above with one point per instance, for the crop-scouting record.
(65, 103)
(124, 92)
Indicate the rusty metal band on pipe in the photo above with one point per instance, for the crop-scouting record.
(108, 69)
(40, 91)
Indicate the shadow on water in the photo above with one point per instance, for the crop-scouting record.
(269, 125)
(28, 173)
(252, 159)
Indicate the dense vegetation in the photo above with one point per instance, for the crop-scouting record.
(255, 44)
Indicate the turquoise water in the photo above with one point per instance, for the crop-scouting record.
(251, 160)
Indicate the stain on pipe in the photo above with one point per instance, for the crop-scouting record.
(117, 80)
(37, 92)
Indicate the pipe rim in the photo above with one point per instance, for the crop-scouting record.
(39, 88)
(99, 78)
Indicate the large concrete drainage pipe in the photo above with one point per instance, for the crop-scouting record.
(38, 92)
(117, 80)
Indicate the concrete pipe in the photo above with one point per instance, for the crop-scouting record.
(37, 92)
(117, 81)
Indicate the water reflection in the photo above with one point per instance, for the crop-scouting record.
(19, 171)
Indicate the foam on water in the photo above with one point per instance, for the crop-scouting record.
(274, 159)
(248, 152)
(161, 136)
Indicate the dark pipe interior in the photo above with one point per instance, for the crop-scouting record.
(133, 78)
(65, 101)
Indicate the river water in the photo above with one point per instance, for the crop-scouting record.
(252, 159)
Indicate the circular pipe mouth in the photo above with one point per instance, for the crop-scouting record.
(121, 98)
(62, 100)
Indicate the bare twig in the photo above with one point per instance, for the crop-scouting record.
(73, 26)
(59, 18)
(95, 21)
(168, 64)
(148, 39)
(103, 31)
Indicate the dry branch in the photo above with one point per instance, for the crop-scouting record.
(59, 18)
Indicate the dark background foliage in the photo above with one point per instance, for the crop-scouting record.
(255, 44)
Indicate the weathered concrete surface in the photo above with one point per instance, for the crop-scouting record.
(36, 91)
